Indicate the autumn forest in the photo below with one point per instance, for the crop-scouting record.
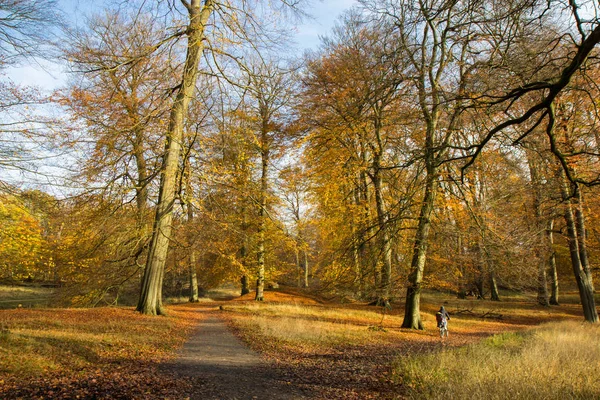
(426, 152)
(440, 144)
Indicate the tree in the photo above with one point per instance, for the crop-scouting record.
(269, 92)
(446, 43)
(150, 301)
(26, 29)
(230, 18)
(22, 244)
(353, 93)
(121, 109)
(294, 187)
(25, 32)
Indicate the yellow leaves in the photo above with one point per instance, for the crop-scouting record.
(21, 242)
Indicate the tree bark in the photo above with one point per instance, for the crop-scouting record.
(494, 294)
(412, 315)
(245, 289)
(367, 252)
(305, 265)
(245, 286)
(262, 215)
(581, 235)
(193, 278)
(552, 263)
(357, 238)
(586, 291)
(540, 248)
(384, 291)
(150, 301)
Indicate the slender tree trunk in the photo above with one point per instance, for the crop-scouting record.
(540, 252)
(494, 294)
(581, 235)
(552, 263)
(462, 291)
(542, 293)
(262, 214)
(298, 266)
(368, 251)
(586, 293)
(245, 286)
(357, 246)
(412, 314)
(244, 251)
(193, 278)
(305, 266)
(383, 297)
(150, 301)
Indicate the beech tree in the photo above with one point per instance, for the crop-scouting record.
(26, 29)
(353, 97)
(151, 293)
(122, 109)
(270, 88)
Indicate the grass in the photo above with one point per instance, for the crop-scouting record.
(553, 361)
(483, 358)
(333, 351)
(24, 296)
(35, 341)
(75, 349)
(310, 325)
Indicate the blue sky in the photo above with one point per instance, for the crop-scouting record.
(49, 76)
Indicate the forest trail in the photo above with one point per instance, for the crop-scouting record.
(222, 367)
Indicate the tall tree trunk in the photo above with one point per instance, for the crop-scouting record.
(541, 249)
(383, 292)
(245, 287)
(552, 263)
(586, 293)
(412, 314)
(481, 269)
(150, 301)
(494, 294)
(189, 195)
(193, 278)
(542, 292)
(581, 235)
(461, 287)
(357, 246)
(299, 271)
(368, 255)
(262, 216)
(305, 265)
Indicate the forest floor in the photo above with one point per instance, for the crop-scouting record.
(221, 366)
(291, 346)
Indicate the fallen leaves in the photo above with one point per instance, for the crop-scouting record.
(97, 353)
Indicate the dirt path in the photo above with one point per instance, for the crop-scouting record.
(222, 367)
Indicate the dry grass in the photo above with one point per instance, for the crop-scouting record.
(22, 296)
(349, 351)
(554, 361)
(310, 325)
(294, 320)
(40, 341)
